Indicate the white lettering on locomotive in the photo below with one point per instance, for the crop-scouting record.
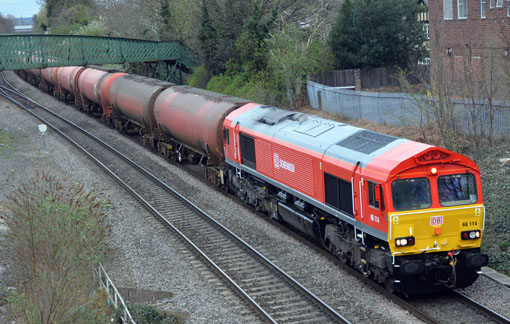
(279, 163)
(374, 218)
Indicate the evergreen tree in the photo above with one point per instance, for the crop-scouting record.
(208, 42)
(251, 45)
(165, 28)
(377, 33)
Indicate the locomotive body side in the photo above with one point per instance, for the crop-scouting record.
(340, 185)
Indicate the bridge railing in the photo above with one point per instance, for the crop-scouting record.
(40, 51)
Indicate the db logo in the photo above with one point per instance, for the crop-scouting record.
(436, 220)
(279, 163)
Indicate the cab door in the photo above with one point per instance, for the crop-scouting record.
(373, 205)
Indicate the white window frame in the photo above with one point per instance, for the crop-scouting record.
(450, 17)
(465, 3)
(508, 8)
(483, 9)
(499, 3)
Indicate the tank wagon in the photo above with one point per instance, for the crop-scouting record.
(407, 214)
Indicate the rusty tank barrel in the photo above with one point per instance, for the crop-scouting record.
(195, 117)
(133, 96)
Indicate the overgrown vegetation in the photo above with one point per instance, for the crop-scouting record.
(371, 34)
(272, 55)
(147, 314)
(55, 238)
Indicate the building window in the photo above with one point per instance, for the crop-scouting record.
(447, 9)
(493, 3)
(499, 3)
(508, 8)
(462, 8)
(482, 8)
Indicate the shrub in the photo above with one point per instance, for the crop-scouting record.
(199, 78)
(55, 238)
(147, 314)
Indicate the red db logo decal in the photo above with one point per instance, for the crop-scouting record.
(436, 220)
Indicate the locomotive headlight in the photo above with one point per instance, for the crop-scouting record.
(404, 241)
(470, 235)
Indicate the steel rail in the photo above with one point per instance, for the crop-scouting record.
(259, 308)
(498, 318)
(128, 188)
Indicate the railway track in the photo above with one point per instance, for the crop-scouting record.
(430, 311)
(272, 293)
(445, 308)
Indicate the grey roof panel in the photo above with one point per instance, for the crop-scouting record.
(321, 135)
(366, 141)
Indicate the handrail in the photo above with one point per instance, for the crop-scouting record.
(116, 298)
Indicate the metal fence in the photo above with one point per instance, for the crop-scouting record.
(113, 298)
(401, 109)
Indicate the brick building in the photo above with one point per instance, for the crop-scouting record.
(470, 39)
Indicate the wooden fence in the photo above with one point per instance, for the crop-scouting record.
(370, 78)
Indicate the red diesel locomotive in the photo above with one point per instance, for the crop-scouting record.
(407, 214)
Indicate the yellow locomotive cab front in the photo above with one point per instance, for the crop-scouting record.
(436, 229)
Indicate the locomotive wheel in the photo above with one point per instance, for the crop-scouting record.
(389, 284)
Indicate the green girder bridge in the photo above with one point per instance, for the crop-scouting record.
(165, 60)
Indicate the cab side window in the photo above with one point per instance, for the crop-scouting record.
(375, 196)
(226, 136)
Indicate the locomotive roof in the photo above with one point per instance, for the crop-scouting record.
(333, 139)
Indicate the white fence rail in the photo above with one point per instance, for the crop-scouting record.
(114, 297)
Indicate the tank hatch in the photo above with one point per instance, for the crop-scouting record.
(366, 141)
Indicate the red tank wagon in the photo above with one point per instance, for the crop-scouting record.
(133, 97)
(67, 79)
(194, 117)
